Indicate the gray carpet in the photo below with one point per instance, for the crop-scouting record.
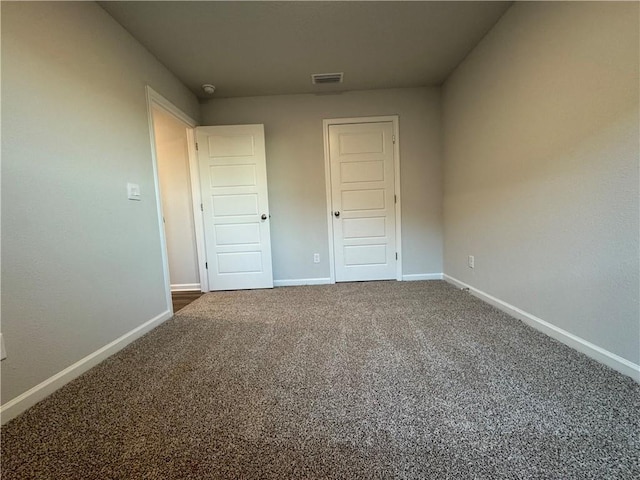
(350, 381)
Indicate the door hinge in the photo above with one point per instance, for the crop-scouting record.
(201, 208)
(396, 255)
(393, 138)
(206, 265)
(395, 199)
(197, 144)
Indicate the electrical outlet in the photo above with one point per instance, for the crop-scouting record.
(471, 261)
(316, 258)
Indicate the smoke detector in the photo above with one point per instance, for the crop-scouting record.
(324, 78)
(208, 89)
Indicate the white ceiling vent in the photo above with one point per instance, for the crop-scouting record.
(324, 78)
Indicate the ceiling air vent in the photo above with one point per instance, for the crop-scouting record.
(324, 78)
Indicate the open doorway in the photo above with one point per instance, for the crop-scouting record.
(178, 197)
(172, 155)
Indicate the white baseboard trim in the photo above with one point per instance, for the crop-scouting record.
(599, 354)
(301, 281)
(22, 402)
(325, 281)
(185, 287)
(421, 276)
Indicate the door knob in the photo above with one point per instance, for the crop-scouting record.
(337, 214)
(264, 216)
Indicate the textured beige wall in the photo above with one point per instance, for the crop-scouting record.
(541, 168)
(295, 170)
(81, 264)
(177, 204)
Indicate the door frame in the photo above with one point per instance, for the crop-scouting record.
(395, 120)
(155, 100)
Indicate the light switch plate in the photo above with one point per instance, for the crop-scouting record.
(133, 191)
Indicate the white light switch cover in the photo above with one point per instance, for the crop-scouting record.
(133, 191)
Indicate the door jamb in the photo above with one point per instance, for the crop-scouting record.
(395, 120)
(154, 99)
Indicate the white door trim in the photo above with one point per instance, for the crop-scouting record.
(154, 99)
(395, 119)
(198, 220)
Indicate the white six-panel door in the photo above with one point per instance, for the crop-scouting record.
(235, 206)
(363, 201)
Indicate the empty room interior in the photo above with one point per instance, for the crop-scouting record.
(340, 239)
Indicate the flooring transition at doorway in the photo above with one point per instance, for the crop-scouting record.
(182, 299)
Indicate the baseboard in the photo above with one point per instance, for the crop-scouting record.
(421, 276)
(325, 281)
(599, 354)
(22, 402)
(301, 281)
(185, 287)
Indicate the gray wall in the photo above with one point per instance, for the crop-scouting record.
(295, 170)
(81, 265)
(541, 168)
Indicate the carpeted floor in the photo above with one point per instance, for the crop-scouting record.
(349, 381)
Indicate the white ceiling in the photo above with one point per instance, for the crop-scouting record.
(267, 48)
